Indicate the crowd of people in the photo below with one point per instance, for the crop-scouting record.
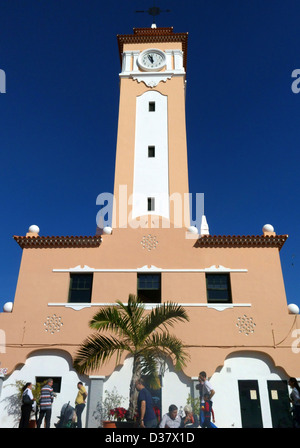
(172, 419)
(45, 405)
(146, 411)
(206, 418)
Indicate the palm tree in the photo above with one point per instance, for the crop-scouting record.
(143, 335)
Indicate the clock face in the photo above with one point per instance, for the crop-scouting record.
(152, 60)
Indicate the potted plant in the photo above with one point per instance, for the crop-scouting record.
(118, 414)
(111, 403)
(195, 403)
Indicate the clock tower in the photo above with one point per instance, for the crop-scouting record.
(151, 171)
(240, 329)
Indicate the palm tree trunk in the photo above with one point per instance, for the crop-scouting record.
(133, 393)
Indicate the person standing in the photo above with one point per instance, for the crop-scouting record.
(80, 402)
(208, 413)
(295, 399)
(146, 411)
(46, 400)
(204, 388)
(26, 408)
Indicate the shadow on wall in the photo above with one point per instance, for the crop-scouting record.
(12, 405)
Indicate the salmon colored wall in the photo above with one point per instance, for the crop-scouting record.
(159, 45)
(211, 335)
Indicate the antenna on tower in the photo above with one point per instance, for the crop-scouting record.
(154, 11)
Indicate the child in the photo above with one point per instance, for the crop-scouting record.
(208, 413)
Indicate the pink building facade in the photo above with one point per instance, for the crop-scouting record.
(241, 330)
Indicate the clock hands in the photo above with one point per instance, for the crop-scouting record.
(152, 59)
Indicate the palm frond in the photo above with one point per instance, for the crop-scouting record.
(121, 319)
(163, 346)
(104, 319)
(164, 315)
(133, 312)
(96, 350)
(109, 319)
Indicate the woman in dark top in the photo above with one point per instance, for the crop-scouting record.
(26, 408)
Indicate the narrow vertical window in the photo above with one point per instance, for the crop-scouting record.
(218, 288)
(149, 287)
(151, 151)
(151, 204)
(151, 106)
(80, 288)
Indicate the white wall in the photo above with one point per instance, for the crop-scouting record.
(45, 365)
(226, 403)
(175, 391)
(176, 388)
(120, 379)
(151, 174)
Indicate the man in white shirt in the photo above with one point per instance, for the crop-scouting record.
(205, 388)
(171, 419)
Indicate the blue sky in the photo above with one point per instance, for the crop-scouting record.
(58, 117)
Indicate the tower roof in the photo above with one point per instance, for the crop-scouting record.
(152, 35)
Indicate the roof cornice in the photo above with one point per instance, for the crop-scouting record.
(226, 241)
(41, 242)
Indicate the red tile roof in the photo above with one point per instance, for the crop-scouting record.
(242, 241)
(57, 241)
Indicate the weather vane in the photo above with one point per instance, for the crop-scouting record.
(154, 11)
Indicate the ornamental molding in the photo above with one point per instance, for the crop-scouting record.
(221, 269)
(151, 268)
(53, 324)
(246, 325)
(78, 268)
(149, 306)
(149, 242)
(151, 79)
(3, 371)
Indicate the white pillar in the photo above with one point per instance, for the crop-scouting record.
(94, 402)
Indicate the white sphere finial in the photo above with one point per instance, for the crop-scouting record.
(268, 228)
(7, 307)
(193, 229)
(107, 230)
(293, 309)
(34, 229)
